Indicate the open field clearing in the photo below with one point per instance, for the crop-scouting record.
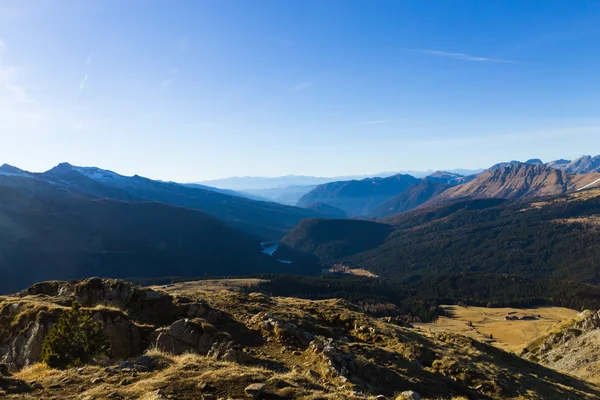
(508, 335)
(208, 285)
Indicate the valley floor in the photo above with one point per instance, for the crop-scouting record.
(510, 336)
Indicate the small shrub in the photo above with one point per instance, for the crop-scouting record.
(75, 339)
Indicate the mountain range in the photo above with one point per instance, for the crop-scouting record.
(252, 183)
(400, 193)
(72, 221)
(266, 220)
(358, 198)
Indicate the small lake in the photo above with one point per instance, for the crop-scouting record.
(270, 248)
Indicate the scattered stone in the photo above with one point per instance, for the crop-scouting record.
(111, 370)
(125, 382)
(202, 385)
(313, 374)
(146, 361)
(141, 368)
(37, 386)
(255, 390)
(409, 395)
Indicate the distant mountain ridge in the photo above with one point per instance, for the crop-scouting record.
(266, 220)
(516, 180)
(358, 197)
(582, 165)
(410, 199)
(252, 183)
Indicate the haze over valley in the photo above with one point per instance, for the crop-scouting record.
(313, 200)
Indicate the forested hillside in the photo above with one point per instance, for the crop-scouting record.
(48, 233)
(483, 251)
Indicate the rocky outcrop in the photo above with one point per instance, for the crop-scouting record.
(573, 347)
(22, 345)
(27, 319)
(145, 305)
(275, 329)
(123, 335)
(336, 362)
(185, 335)
(196, 336)
(25, 348)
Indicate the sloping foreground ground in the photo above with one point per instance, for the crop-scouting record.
(223, 344)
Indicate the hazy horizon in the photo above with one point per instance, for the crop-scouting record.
(194, 91)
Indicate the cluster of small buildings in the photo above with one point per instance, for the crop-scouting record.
(512, 317)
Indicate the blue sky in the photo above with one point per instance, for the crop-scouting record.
(193, 90)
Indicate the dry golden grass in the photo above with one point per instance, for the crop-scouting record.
(207, 285)
(591, 221)
(511, 336)
(381, 358)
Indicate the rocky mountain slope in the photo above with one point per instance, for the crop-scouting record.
(572, 347)
(584, 165)
(517, 180)
(49, 233)
(581, 165)
(263, 219)
(358, 198)
(447, 178)
(197, 344)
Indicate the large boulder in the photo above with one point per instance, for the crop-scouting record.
(197, 336)
(184, 335)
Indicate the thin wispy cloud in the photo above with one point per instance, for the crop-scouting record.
(88, 60)
(374, 122)
(10, 90)
(82, 84)
(301, 86)
(168, 81)
(464, 57)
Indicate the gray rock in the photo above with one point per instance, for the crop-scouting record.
(185, 335)
(146, 361)
(409, 395)
(255, 390)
